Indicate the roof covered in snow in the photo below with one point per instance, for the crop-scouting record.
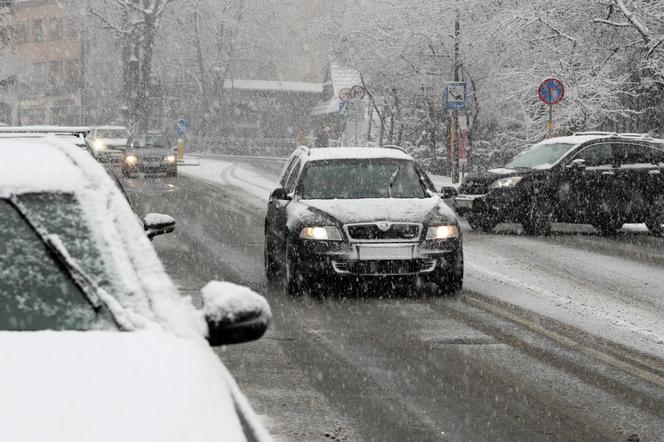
(340, 153)
(274, 85)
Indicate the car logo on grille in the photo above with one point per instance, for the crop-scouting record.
(383, 226)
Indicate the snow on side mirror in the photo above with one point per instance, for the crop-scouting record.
(158, 224)
(577, 164)
(234, 314)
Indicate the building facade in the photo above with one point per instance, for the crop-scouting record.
(44, 57)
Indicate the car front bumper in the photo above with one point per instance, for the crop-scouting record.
(504, 205)
(150, 167)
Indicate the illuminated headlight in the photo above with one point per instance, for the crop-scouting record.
(442, 232)
(169, 158)
(323, 233)
(98, 146)
(506, 182)
(131, 159)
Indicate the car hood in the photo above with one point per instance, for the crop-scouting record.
(112, 386)
(114, 142)
(374, 209)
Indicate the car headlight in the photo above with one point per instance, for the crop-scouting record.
(442, 232)
(323, 233)
(169, 158)
(506, 182)
(98, 146)
(131, 159)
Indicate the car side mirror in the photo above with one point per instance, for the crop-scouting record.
(156, 224)
(448, 192)
(280, 194)
(234, 314)
(577, 164)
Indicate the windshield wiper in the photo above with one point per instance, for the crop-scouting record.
(59, 252)
(393, 178)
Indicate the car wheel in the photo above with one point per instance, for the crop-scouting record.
(294, 281)
(482, 222)
(538, 220)
(271, 264)
(655, 223)
(452, 281)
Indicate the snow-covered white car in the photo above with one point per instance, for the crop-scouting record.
(96, 343)
(108, 143)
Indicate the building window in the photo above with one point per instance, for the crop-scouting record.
(73, 28)
(55, 28)
(38, 29)
(55, 74)
(71, 68)
(21, 32)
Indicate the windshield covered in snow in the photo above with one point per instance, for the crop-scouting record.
(149, 141)
(366, 178)
(540, 155)
(36, 292)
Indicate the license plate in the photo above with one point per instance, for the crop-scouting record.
(466, 204)
(380, 252)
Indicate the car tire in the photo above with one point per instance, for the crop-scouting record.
(272, 270)
(295, 283)
(451, 282)
(538, 220)
(655, 223)
(481, 222)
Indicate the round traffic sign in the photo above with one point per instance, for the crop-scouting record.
(357, 92)
(344, 94)
(551, 91)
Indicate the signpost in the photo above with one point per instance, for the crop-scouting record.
(551, 91)
(181, 127)
(455, 95)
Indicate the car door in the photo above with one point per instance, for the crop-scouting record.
(281, 206)
(273, 203)
(640, 177)
(590, 186)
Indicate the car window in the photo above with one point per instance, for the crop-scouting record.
(290, 184)
(636, 154)
(597, 155)
(150, 141)
(287, 170)
(35, 292)
(366, 178)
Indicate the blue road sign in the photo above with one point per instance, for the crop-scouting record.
(551, 91)
(181, 127)
(455, 95)
(343, 107)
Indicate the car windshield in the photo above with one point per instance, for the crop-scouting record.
(36, 292)
(365, 178)
(151, 141)
(541, 155)
(112, 133)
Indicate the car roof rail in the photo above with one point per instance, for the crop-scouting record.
(394, 146)
(636, 135)
(608, 134)
(303, 148)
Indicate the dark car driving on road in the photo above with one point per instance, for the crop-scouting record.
(359, 212)
(151, 153)
(597, 178)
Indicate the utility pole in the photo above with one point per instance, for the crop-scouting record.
(454, 157)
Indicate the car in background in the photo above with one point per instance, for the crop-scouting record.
(152, 154)
(94, 337)
(108, 143)
(359, 213)
(598, 178)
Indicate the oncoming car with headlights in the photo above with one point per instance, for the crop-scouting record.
(351, 213)
(151, 153)
(598, 178)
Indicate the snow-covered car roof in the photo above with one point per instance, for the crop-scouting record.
(110, 128)
(337, 153)
(572, 139)
(44, 129)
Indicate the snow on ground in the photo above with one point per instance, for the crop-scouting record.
(233, 174)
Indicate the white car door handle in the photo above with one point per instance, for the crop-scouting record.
(608, 173)
(654, 172)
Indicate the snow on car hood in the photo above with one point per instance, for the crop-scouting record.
(372, 209)
(114, 386)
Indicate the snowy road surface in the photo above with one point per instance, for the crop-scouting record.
(552, 339)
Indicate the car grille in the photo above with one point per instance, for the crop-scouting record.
(391, 267)
(388, 232)
(151, 159)
(473, 188)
